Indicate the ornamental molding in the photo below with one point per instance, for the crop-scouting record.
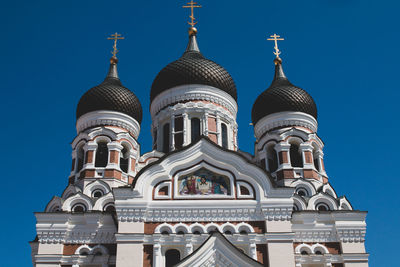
(234, 213)
(192, 92)
(106, 117)
(282, 119)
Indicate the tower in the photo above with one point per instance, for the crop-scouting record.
(193, 97)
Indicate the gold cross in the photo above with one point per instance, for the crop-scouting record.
(192, 5)
(115, 37)
(276, 38)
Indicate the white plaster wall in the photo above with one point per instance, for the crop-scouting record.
(281, 254)
(131, 227)
(50, 249)
(278, 226)
(356, 264)
(47, 265)
(353, 247)
(130, 255)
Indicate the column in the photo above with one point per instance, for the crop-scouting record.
(172, 134)
(283, 155)
(186, 133)
(306, 152)
(157, 256)
(219, 136)
(114, 151)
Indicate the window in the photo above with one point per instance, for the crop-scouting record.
(272, 158)
(79, 208)
(109, 208)
(124, 159)
(224, 134)
(295, 156)
(165, 138)
(101, 155)
(97, 193)
(172, 257)
(80, 157)
(178, 132)
(316, 158)
(195, 127)
(302, 192)
(322, 207)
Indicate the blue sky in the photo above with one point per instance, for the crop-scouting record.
(343, 52)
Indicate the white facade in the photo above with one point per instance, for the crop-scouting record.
(196, 199)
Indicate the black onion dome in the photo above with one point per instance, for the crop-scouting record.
(282, 95)
(193, 68)
(110, 95)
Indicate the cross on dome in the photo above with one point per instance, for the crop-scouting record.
(276, 38)
(192, 5)
(116, 36)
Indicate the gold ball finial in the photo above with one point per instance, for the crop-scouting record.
(277, 60)
(113, 60)
(192, 31)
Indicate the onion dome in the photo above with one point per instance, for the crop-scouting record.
(281, 96)
(110, 95)
(193, 68)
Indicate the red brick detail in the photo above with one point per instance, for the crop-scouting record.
(212, 124)
(133, 164)
(69, 249)
(283, 157)
(337, 265)
(87, 174)
(285, 174)
(310, 174)
(258, 226)
(213, 137)
(89, 156)
(324, 180)
(112, 174)
(333, 247)
(114, 156)
(147, 255)
(308, 156)
(262, 254)
(130, 180)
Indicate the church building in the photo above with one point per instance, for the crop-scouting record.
(196, 199)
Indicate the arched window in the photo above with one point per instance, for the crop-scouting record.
(101, 155)
(98, 193)
(109, 208)
(80, 158)
(322, 207)
(316, 158)
(124, 159)
(166, 138)
(295, 156)
(224, 135)
(195, 127)
(79, 208)
(172, 257)
(301, 191)
(272, 158)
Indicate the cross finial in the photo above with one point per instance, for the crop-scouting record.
(192, 5)
(276, 38)
(115, 37)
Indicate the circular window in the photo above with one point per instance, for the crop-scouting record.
(301, 191)
(109, 208)
(243, 232)
(304, 252)
(164, 233)
(197, 233)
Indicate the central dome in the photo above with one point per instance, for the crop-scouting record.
(193, 68)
